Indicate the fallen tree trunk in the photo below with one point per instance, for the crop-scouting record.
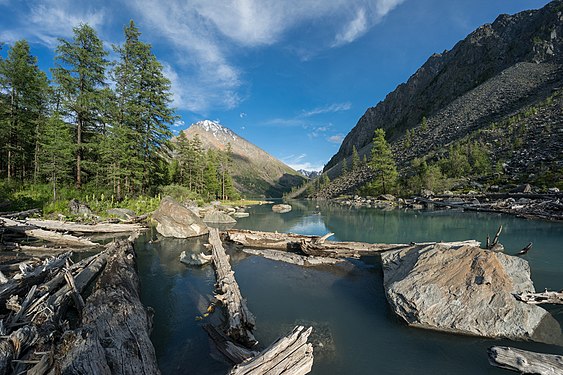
(319, 246)
(288, 257)
(524, 361)
(120, 322)
(290, 355)
(46, 235)
(539, 298)
(230, 350)
(84, 228)
(240, 320)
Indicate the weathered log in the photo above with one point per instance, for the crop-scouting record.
(231, 351)
(240, 320)
(318, 246)
(290, 355)
(63, 226)
(524, 361)
(21, 214)
(84, 354)
(288, 257)
(46, 235)
(539, 298)
(14, 345)
(114, 321)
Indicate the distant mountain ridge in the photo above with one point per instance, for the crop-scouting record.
(255, 172)
(496, 72)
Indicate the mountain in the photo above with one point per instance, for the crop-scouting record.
(255, 172)
(309, 174)
(503, 80)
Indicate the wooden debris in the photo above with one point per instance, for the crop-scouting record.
(21, 214)
(525, 249)
(290, 355)
(319, 246)
(524, 361)
(233, 352)
(288, 257)
(539, 298)
(63, 226)
(240, 320)
(46, 235)
(495, 245)
(192, 259)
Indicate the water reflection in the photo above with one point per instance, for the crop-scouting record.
(346, 302)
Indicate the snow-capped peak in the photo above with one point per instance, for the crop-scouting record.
(216, 129)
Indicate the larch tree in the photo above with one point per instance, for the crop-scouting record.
(355, 159)
(144, 111)
(25, 97)
(383, 165)
(80, 67)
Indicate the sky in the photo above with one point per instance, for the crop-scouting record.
(291, 76)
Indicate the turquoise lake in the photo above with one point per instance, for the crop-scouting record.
(346, 303)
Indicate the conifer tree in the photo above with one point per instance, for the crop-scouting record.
(24, 108)
(344, 167)
(355, 159)
(80, 74)
(382, 164)
(144, 97)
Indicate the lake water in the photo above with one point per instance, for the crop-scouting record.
(346, 303)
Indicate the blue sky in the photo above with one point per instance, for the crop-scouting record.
(291, 76)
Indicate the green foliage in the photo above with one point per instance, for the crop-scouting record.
(344, 167)
(409, 135)
(424, 124)
(426, 177)
(355, 159)
(383, 165)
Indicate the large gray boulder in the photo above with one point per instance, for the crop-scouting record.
(218, 217)
(175, 220)
(466, 290)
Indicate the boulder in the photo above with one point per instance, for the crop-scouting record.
(121, 213)
(238, 215)
(525, 188)
(466, 290)
(387, 197)
(281, 208)
(78, 208)
(175, 220)
(218, 217)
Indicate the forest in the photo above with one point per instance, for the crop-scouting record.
(96, 128)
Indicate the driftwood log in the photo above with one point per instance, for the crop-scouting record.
(290, 355)
(114, 321)
(47, 235)
(110, 329)
(539, 298)
(240, 320)
(319, 246)
(63, 226)
(288, 257)
(524, 361)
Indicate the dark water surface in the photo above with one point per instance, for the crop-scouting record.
(345, 304)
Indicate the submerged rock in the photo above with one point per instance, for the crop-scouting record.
(281, 208)
(175, 220)
(239, 215)
(218, 217)
(466, 290)
(192, 259)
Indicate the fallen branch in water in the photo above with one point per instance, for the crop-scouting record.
(539, 298)
(524, 361)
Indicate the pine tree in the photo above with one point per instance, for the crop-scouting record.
(80, 74)
(55, 152)
(26, 97)
(144, 97)
(382, 164)
(344, 168)
(355, 159)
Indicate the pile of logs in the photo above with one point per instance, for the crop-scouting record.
(49, 324)
(290, 355)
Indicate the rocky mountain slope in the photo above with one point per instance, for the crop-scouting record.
(504, 78)
(255, 172)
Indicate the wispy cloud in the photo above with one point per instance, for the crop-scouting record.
(300, 161)
(356, 28)
(336, 107)
(337, 138)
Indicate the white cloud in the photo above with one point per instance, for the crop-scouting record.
(336, 107)
(356, 28)
(242, 115)
(337, 138)
(52, 19)
(298, 162)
